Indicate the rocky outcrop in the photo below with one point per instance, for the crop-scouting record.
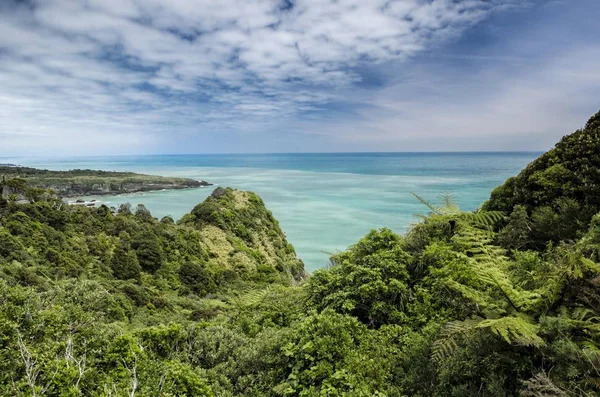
(72, 189)
(93, 182)
(12, 192)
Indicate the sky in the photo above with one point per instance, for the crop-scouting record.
(109, 77)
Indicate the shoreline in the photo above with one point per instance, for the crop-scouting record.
(87, 182)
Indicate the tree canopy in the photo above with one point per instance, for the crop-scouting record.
(503, 301)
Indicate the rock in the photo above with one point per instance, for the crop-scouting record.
(218, 192)
(18, 194)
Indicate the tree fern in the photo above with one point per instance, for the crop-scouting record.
(512, 330)
(540, 385)
(491, 265)
(449, 207)
(249, 298)
(486, 219)
(449, 337)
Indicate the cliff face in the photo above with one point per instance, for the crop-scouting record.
(68, 188)
(92, 182)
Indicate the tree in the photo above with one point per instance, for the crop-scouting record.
(196, 277)
(143, 213)
(125, 209)
(516, 234)
(124, 263)
(148, 250)
(368, 281)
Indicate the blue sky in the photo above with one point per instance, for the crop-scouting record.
(95, 77)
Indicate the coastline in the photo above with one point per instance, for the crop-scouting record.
(80, 183)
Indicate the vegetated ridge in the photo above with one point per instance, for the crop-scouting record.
(503, 301)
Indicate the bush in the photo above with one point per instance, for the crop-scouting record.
(148, 251)
(196, 277)
(124, 264)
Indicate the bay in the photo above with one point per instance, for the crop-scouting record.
(323, 201)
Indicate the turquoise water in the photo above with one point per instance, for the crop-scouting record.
(324, 202)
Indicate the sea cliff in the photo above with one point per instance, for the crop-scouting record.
(91, 182)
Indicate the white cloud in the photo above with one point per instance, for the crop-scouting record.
(134, 71)
(528, 105)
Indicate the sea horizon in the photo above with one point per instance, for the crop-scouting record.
(324, 202)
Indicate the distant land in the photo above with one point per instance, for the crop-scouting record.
(87, 182)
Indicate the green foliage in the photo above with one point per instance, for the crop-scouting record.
(252, 236)
(560, 190)
(100, 304)
(148, 250)
(326, 357)
(485, 303)
(369, 281)
(124, 264)
(196, 277)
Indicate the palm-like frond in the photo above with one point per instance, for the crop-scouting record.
(432, 207)
(250, 298)
(449, 207)
(516, 330)
(540, 385)
(513, 330)
(450, 334)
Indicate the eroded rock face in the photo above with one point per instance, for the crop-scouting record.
(8, 191)
(97, 189)
(95, 182)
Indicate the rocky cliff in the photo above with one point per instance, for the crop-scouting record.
(92, 182)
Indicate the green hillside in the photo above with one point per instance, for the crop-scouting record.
(504, 301)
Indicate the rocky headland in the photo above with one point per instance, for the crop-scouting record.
(76, 183)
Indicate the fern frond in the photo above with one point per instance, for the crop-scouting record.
(592, 383)
(447, 342)
(513, 330)
(540, 385)
(448, 200)
(434, 209)
(484, 218)
(251, 298)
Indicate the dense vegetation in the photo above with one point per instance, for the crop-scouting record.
(89, 182)
(556, 195)
(465, 304)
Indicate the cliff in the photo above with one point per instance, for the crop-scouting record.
(91, 182)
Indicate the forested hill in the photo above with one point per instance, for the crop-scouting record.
(88, 182)
(499, 302)
(559, 192)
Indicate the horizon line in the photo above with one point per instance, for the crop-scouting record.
(280, 153)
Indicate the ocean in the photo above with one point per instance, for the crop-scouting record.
(324, 201)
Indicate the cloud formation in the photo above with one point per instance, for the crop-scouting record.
(123, 75)
(152, 76)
